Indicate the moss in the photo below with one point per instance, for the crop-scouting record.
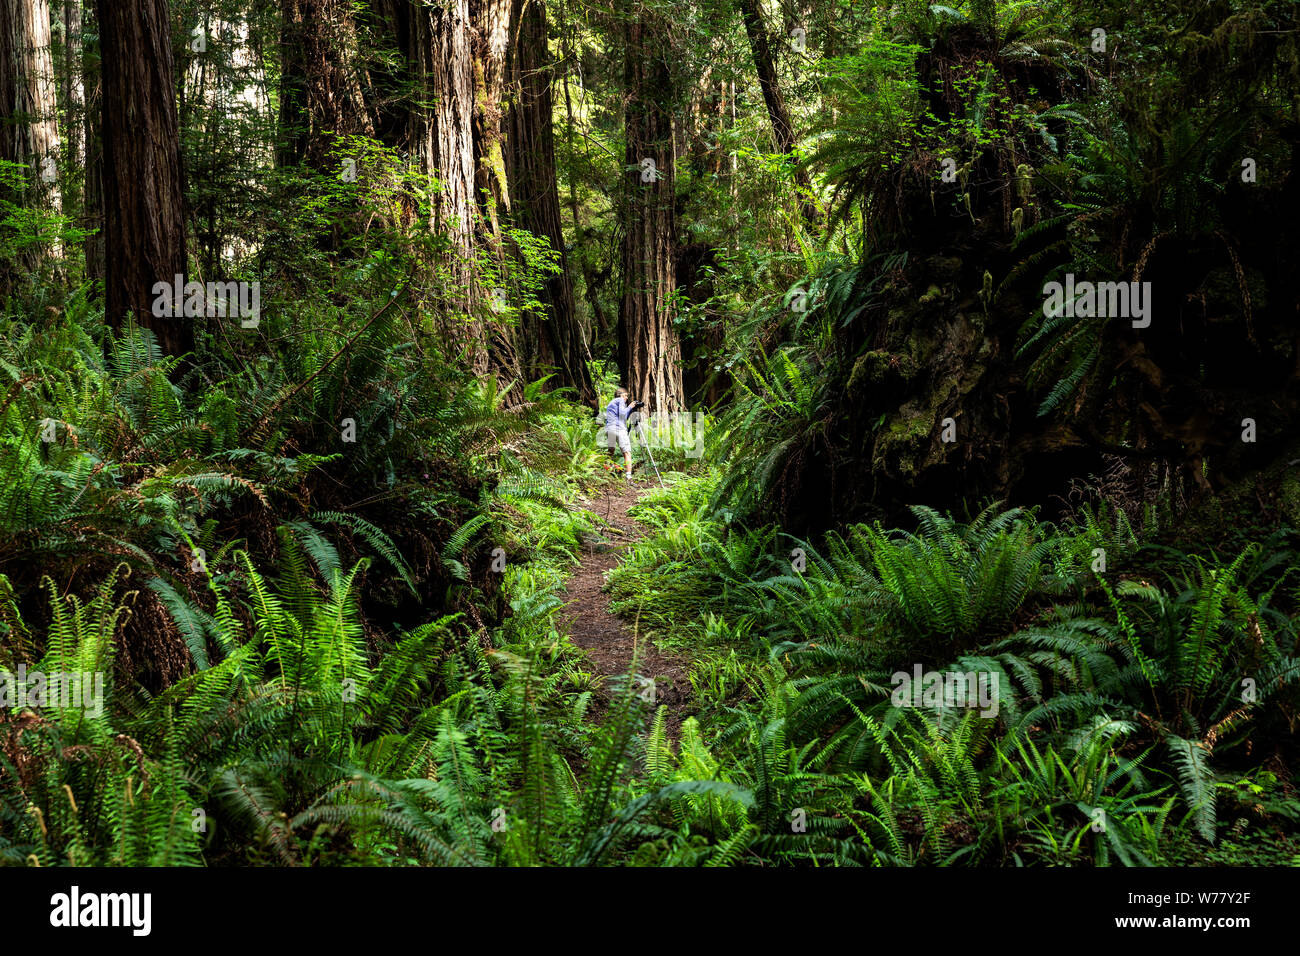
(900, 320)
(901, 446)
(919, 348)
(932, 294)
(939, 358)
(869, 369)
(881, 367)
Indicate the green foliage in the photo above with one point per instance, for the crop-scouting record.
(283, 551)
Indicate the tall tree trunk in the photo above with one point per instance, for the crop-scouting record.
(589, 281)
(442, 136)
(535, 197)
(94, 170)
(779, 115)
(144, 225)
(74, 90)
(649, 352)
(429, 111)
(294, 128)
(321, 80)
(29, 134)
(492, 28)
(708, 102)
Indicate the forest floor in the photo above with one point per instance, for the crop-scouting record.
(612, 644)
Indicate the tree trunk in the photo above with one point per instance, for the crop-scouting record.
(74, 91)
(649, 352)
(708, 102)
(492, 27)
(144, 225)
(321, 80)
(291, 142)
(778, 113)
(491, 45)
(29, 134)
(429, 111)
(442, 136)
(589, 281)
(535, 199)
(94, 169)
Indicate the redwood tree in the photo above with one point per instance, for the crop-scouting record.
(144, 226)
(94, 153)
(321, 84)
(434, 120)
(649, 351)
(555, 337)
(492, 29)
(29, 132)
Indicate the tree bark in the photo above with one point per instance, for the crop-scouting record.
(444, 138)
(74, 90)
(321, 80)
(535, 201)
(649, 351)
(589, 279)
(29, 134)
(435, 122)
(94, 168)
(492, 28)
(144, 225)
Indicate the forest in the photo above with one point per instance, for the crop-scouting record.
(557, 433)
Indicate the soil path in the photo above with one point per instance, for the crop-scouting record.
(610, 642)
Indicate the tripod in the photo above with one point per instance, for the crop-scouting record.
(640, 430)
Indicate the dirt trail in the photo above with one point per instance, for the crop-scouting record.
(609, 641)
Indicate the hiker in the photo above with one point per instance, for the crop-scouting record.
(616, 414)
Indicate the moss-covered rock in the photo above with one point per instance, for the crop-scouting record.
(880, 369)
